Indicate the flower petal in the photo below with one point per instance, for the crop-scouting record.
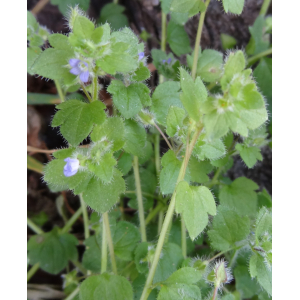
(141, 55)
(73, 62)
(75, 71)
(169, 60)
(84, 76)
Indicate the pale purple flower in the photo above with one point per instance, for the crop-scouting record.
(71, 167)
(80, 67)
(167, 61)
(141, 55)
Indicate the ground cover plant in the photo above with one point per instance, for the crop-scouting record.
(192, 232)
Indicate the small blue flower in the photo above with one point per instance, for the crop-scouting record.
(141, 55)
(167, 61)
(79, 67)
(71, 167)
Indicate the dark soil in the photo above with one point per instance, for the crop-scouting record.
(142, 14)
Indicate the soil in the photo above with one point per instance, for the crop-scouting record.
(142, 14)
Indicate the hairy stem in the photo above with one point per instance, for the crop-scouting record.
(71, 221)
(86, 92)
(110, 243)
(60, 91)
(154, 212)
(215, 293)
(32, 271)
(256, 57)
(139, 198)
(168, 219)
(183, 238)
(198, 39)
(79, 266)
(264, 7)
(165, 138)
(85, 217)
(103, 249)
(34, 227)
(95, 88)
(73, 294)
(39, 6)
(163, 38)
(160, 221)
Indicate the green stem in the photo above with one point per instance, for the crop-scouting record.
(110, 243)
(217, 255)
(95, 88)
(154, 212)
(168, 218)
(85, 218)
(233, 258)
(59, 90)
(160, 221)
(165, 138)
(163, 43)
(256, 57)
(71, 221)
(79, 266)
(32, 271)
(103, 250)
(139, 198)
(198, 39)
(215, 293)
(215, 178)
(34, 227)
(183, 238)
(264, 7)
(157, 153)
(86, 92)
(73, 294)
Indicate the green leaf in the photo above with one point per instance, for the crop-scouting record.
(228, 41)
(175, 119)
(263, 223)
(31, 21)
(179, 18)
(199, 170)
(263, 78)
(52, 63)
(59, 41)
(194, 203)
(76, 119)
(194, 94)
(211, 150)
(250, 155)
(170, 259)
(141, 74)
(233, 6)
(106, 286)
(112, 14)
(52, 250)
(240, 195)
(32, 55)
(64, 6)
(113, 130)
(165, 5)
(164, 96)
(259, 41)
(104, 169)
(228, 229)
(129, 100)
(179, 292)
(264, 199)
(141, 257)
(124, 163)
(235, 63)
(210, 65)
(192, 7)
(185, 275)
(169, 174)
(125, 238)
(135, 138)
(83, 27)
(102, 197)
(244, 284)
(91, 259)
(263, 274)
(178, 39)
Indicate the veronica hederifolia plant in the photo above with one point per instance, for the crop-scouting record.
(203, 128)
